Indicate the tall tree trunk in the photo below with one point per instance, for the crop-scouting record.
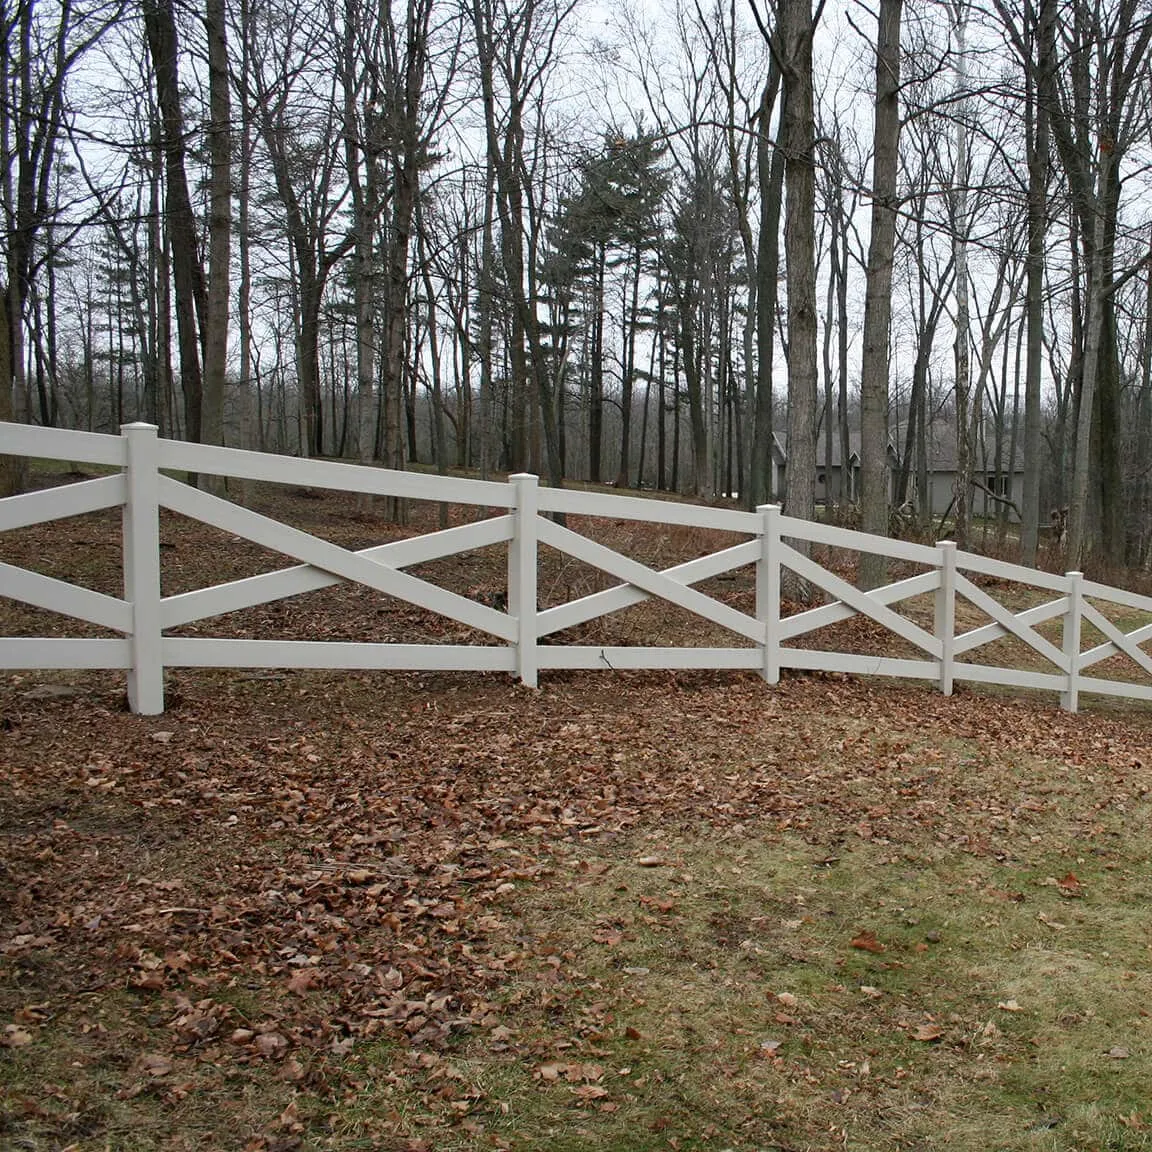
(826, 353)
(484, 317)
(11, 473)
(797, 139)
(1139, 520)
(770, 174)
(844, 480)
(661, 397)
(439, 432)
(1094, 330)
(690, 357)
(404, 194)
(878, 295)
(1038, 170)
(359, 78)
(596, 375)
(505, 145)
(187, 273)
(251, 409)
(644, 416)
(405, 124)
(162, 340)
(310, 291)
(1109, 383)
(219, 224)
(631, 319)
(963, 361)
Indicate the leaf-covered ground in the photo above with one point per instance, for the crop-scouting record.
(625, 911)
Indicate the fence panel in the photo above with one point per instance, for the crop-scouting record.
(143, 617)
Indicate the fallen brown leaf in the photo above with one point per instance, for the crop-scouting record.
(589, 1091)
(271, 1044)
(1069, 885)
(867, 942)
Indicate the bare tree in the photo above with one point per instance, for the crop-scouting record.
(39, 51)
(875, 481)
(516, 48)
(961, 227)
(770, 175)
(1099, 110)
(190, 298)
(219, 134)
(296, 110)
(1031, 30)
(797, 141)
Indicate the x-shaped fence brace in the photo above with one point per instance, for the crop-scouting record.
(142, 490)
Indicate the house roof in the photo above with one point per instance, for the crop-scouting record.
(941, 448)
(853, 448)
(941, 436)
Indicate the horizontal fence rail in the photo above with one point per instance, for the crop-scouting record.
(775, 544)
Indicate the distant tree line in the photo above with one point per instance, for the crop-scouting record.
(480, 234)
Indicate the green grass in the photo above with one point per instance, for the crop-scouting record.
(718, 1002)
(722, 1004)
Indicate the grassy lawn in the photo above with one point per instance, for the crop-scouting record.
(763, 995)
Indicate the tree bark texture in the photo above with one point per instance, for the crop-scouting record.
(874, 476)
(219, 223)
(797, 140)
(770, 173)
(191, 303)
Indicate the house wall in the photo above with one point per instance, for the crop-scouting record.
(943, 484)
(778, 481)
(830, 479)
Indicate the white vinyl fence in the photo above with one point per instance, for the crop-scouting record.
(143, 616)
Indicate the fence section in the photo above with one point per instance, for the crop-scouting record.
(762, 641)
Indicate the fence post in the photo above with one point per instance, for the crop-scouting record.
(522, 602)
(768, 590)
(1070, 699)
(945, 626)
(142, 568)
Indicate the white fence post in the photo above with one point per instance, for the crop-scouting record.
(945, 626)
(768, 590)
(1070, 699)
(142, 569)
(522, 601)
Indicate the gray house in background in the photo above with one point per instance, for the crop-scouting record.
(829, 485)
(942, 476)
(941, 473)
(779, 463)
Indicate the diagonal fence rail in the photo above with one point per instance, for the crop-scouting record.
(765, 641)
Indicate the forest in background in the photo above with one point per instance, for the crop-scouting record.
(636, 246)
